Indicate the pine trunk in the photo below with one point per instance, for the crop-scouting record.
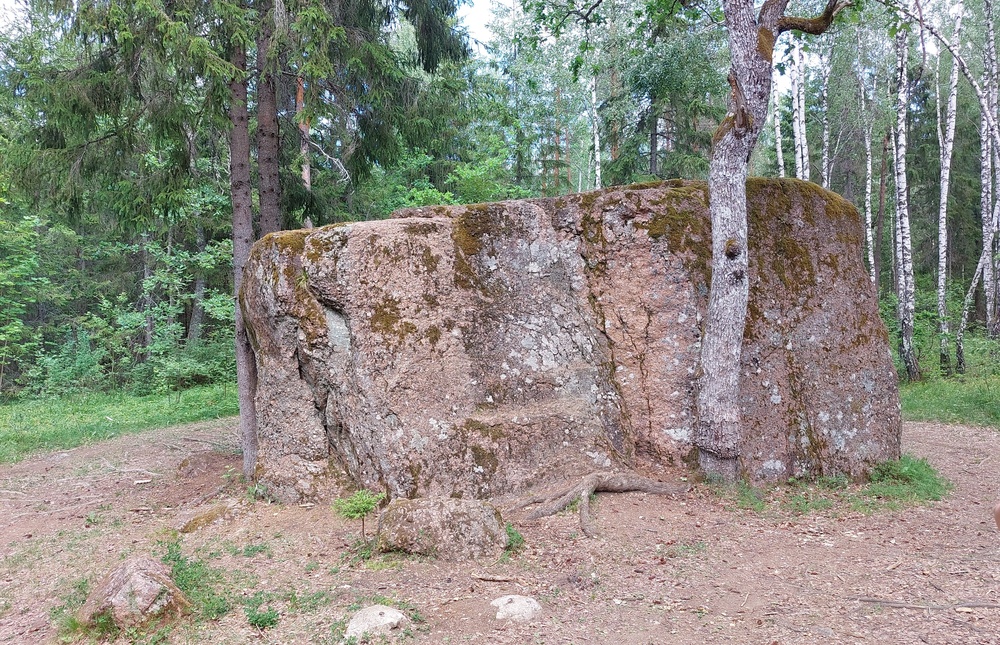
(243, 239)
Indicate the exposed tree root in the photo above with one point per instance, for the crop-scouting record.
(552, 503)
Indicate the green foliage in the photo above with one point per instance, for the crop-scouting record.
(199, 582)
(31, 425)
(515, 541)
(905, 481)
(358, 506)
(258, 617)
(971, 401)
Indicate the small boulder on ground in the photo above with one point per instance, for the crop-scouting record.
(448, 529)
(520, 609)
(374, 620)
(137, 591)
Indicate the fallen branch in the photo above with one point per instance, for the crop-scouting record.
(908, 605)
(550, 504)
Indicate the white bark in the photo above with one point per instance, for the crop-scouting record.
(597, 133)
(990, 222)
(776, 114)
(905, 290)
(946, 141)
(826, 63)
(798, 114)
(866, 129)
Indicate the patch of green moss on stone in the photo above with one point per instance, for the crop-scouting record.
(420, 228)
(485, 459)
(387, 320)
(429, 260)
(494, 432)
(434, 335)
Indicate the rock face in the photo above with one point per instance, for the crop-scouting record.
(475, 351)
(373, 621)
(448, 529)
(137, 591)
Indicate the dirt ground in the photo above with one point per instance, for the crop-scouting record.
(663, 570)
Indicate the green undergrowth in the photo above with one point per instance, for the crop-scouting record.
(28, 426)
(969, 401)
(892, 485)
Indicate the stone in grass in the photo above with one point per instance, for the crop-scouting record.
(448, 529)
(139, 590)
(374, 620)
(520, 609)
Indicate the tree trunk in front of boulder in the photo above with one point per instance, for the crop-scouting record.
(719, 418)
(904, 253)
(243, 239)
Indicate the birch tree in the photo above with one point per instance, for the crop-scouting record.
(776, 115)
(798, 114)
(904, 254)
(826, 64)
(946, 141)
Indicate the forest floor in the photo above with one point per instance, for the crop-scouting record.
(698, 569)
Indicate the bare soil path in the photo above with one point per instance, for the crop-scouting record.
(661, 570)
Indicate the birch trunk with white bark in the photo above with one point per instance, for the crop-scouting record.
(776, 114)
(595, 120)
(946, 139)
(992, 157)
(826, 63)
(866, 130)
(798, 115)
(905, 284)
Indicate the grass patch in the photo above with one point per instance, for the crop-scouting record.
(198, 581)
(970, 401)
(907, 481)
(57, 424)
(893, 484)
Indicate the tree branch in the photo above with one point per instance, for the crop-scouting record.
(815, 26)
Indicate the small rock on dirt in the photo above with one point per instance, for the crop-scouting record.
(137, 591)
(192, 522)
(521, 609)
(377, 619)
(449, 529)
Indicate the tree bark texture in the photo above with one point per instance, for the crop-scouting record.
(905, 281)
(866, 131)
(991, 165)
(719, 420)
(751, 46)
(798, 118)
(243, 239)
(776, 113)
(946, 138)
(826, 63)
(596, 122)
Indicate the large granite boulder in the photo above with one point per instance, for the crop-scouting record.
(481, 350)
